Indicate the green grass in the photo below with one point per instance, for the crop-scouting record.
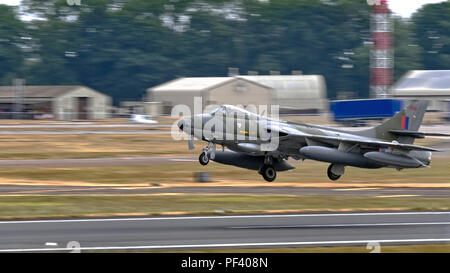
(438, 248)
(306, 172)
(89, 146)
(81, 206)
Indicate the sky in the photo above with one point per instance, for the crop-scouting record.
(403, 8)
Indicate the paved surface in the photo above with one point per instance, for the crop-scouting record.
(82, 125)
(83, 128)
(200, 232)
(75, 132)
(11, 190)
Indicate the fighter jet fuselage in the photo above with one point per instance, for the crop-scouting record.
(264, 144)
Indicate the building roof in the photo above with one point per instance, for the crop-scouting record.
(296, 83)
(424, 82)
(192, 84)
(283, 82)
(39, 91)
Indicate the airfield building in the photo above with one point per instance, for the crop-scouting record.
(432, 85)
(293, 93)
(58, 102)
(211, 90)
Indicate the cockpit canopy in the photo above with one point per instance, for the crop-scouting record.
(232, 111)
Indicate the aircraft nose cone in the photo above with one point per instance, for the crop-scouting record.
(184, 125)
(180, 124)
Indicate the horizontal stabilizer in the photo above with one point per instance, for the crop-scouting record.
(413, 134)
(416, 134)
(436, 134)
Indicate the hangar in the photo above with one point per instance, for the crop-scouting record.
(293, 93)
(58, 102)
(212, 90)
(432, 85)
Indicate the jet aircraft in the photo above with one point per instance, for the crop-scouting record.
(388, 145)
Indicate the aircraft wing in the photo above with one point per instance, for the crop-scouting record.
(291, 133)
(375, 143)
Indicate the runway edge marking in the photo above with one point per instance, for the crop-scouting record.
(221, 217)
(232, 245)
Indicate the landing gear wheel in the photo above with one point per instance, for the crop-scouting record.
(331, 175)
(203, 159)
(268, 172)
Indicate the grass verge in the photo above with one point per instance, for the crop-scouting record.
(28, 207)
(307, 172)
(89, 146)
(428, 248)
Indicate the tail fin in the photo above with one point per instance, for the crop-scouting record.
(409, 119)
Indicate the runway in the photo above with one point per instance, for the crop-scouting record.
(80, 132)
(81, 125)
(388, 192)
(84, 128)
(234, 231)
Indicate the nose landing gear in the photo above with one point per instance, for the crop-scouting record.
(205, 156)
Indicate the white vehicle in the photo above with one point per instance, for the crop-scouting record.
(142, 119)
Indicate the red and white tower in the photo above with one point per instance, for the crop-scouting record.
(382, 53)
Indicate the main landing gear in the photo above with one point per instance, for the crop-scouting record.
(268, 173)
(335, 171)
(267, 170)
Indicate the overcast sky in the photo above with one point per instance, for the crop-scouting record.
(403, 8)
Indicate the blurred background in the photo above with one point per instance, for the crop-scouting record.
(124, 49)
(87, 88)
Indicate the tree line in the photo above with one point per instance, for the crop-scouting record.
(123, 47)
